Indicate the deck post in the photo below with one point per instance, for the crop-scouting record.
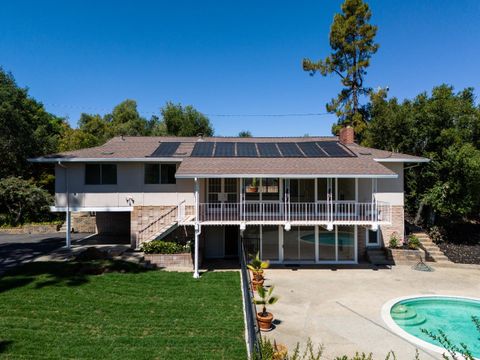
(198, 230)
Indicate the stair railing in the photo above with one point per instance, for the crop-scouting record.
(168, 217)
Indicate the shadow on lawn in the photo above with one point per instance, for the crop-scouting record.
(72, 273)
(4, 344)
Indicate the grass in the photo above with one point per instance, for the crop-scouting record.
(62, 311)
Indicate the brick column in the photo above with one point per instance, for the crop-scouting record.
(398, 225)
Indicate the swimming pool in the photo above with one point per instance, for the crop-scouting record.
(452, 315)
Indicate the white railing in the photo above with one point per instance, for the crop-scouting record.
(282, 212)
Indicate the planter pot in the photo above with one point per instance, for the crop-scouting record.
(257, 283)
(257, 275)
(265, 322)
(252, 189)
(280, 352)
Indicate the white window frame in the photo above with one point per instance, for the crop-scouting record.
(372, 245)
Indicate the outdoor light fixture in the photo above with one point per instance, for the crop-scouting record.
(374, 227)
(243, 226)
(288, 227)
(329, 226)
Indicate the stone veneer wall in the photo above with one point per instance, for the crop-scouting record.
(83, 222)
(184, 260)
(398, 225)
(31, 229)
(141, 216)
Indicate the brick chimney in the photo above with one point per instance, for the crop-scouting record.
(346, 135)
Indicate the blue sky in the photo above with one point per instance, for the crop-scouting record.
(226, 57)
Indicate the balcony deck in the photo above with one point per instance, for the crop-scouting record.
(280, 213)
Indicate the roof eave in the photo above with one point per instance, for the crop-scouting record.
(288, 176)
(402, 160)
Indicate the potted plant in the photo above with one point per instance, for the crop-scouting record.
(264, 317)
(253, 187)
(257, 266)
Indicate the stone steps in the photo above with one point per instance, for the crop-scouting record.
(432, 251)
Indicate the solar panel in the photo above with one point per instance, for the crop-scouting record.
(268, 150)
(246, 150)
(203, 149)
(334, 149)
(311, 149)
(166, 149)
(225, 149)
(290, 150)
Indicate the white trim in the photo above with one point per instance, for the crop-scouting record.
(82, 160)
(402, 160)
(387, 318)
(286, 176)
(92, 208)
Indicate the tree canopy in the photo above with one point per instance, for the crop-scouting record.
(352, 41)
(443, 126)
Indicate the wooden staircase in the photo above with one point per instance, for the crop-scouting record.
(164, 224)
(432, 251)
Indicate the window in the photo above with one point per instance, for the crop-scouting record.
(372, 237)
(152, 173)
(168, 173)
(262, 189)
(100, 174)
(270, 189)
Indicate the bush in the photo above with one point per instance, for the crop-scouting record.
(413, 242)
(23, 201)
(437, 234)
(164, 247)
(394, 241)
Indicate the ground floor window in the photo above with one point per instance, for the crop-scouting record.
(302, 243)
(373, 237)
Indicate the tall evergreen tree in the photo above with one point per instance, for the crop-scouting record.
(352, 41)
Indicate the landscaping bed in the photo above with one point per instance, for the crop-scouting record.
(461, 253)
(107, 309)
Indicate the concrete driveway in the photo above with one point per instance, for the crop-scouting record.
(341, 309)
(19, 249)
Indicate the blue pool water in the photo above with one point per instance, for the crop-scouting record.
(452, 315)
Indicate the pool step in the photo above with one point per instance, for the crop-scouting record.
(407, 315)
(415, 321)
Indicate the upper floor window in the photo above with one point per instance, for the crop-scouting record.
(100, 174)
(160, 173)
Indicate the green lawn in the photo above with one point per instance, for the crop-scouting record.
(57, 310)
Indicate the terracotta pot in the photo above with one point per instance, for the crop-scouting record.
(252, 189)
(257, 283)
(265, 322)
(257, 275)
(280, 352)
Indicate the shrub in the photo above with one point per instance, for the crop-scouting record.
(164, 247)
(23, 201)
(413, 242)
(394, 241)
(437, 234)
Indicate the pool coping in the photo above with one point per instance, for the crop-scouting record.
(385, 312)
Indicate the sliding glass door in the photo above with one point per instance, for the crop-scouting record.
(299, 244)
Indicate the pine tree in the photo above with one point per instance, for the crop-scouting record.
(352, 42)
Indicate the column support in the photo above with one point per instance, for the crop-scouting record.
(198, 229)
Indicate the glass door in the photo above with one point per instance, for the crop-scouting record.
(299, 244)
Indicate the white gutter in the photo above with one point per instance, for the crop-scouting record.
(286, 176)
(83, 160)
(402, 160)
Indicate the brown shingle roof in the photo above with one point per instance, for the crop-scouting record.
(365, 162)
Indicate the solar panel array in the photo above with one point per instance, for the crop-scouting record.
(166, 149)
(316, 149)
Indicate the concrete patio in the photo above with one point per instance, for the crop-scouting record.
(341, 308)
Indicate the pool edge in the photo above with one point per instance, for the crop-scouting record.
(397, 330)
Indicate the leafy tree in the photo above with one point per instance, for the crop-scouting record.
(23, 200)
(74, 139)
(26, 129)
(245, 134)
(444, 127)
(184, 121)
(125, 120)
(352, 41)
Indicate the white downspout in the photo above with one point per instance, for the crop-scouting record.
(198, 229)
(68, 239)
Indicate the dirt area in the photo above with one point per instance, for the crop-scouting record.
(461, 253)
